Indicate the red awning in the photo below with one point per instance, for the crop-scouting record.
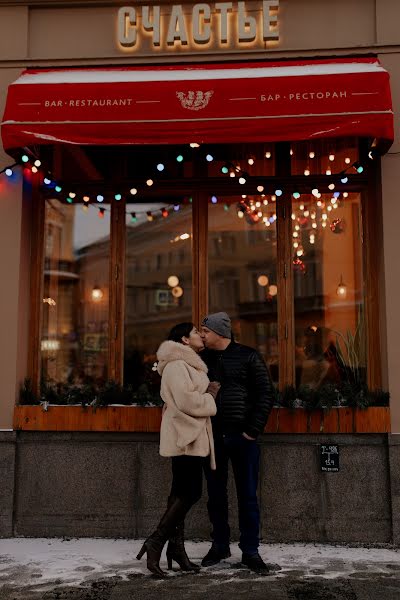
(254, 102)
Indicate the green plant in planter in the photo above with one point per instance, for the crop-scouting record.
(352, 354)
(26, 395)
(113, 393)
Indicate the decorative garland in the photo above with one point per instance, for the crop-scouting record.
(230, 169)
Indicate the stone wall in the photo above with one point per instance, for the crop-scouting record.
(116, 485)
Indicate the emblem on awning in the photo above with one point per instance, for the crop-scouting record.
(194, 100)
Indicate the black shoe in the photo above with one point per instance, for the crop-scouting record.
(215, 555)
(154, 544)
(255, 563)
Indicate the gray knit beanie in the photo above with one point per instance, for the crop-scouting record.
(219, 323)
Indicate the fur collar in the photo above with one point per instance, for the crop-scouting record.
(170, 351)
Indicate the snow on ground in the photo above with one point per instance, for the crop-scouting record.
(26, 561)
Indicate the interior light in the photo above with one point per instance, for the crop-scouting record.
(160, 167)
(209, 158)
(97, 294)
(260, 188)
(341, 289)
(173, 281)
(214, 199)
(278, 192)
(37, 163)
(99, 198)
(133, 191)
(149, 182)
(45, 180)
(8, 172)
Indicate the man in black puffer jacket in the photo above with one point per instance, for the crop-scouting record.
(243, 405)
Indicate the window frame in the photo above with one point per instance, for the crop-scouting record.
(369, 187)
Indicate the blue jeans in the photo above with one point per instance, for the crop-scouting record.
(245, 458)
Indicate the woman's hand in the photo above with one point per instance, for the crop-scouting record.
(213, 388)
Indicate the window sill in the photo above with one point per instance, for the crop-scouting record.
(148, 419)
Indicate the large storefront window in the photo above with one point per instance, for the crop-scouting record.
(243, 272)
(158, 284)
(271, 234)
(74, 340)
(330, 330)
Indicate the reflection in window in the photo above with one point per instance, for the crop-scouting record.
(158, 296)
(74, 343)
(328, 282)
(242, 271)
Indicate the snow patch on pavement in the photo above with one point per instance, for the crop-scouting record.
(41, 562)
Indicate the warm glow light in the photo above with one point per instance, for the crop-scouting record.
(97, 294)
(194, 145)
(273, 290)
(133, 191)
(149, 182)
(184, 236)
(260, 188)
(341, 289)
(263, 280)
(177, 292)
(173, 281)
(268, 155)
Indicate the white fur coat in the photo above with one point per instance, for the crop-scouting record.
(186, 424)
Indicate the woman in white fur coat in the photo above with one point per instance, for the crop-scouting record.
(185, 436)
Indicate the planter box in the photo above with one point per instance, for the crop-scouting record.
(137, 418)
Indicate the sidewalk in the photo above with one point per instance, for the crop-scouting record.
(105, 569)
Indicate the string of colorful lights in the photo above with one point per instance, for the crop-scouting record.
(244, 208)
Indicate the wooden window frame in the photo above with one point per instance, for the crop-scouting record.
(370, 189)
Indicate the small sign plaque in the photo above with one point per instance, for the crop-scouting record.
(329, 457)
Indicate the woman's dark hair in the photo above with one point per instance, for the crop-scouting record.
(179, 331)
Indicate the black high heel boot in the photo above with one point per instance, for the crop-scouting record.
(176, 550)
(154, 544)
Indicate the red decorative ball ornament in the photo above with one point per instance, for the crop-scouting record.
(298, 265)
(337, 226)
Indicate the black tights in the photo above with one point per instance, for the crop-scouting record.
(187, 478)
